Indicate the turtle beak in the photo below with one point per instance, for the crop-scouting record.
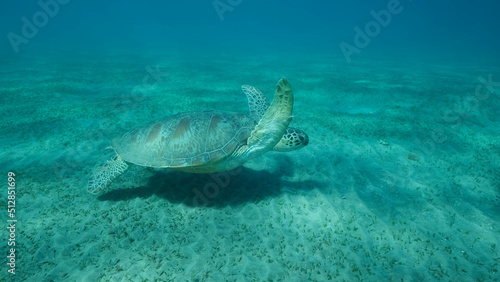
(304, 138)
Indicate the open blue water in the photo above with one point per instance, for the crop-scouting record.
(400, 180)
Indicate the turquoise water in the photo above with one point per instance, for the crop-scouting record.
(400, 180)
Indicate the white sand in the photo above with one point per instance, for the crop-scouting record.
(375, 196)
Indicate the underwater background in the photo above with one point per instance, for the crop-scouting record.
(400, 180)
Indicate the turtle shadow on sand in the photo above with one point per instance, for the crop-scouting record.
(214, 190)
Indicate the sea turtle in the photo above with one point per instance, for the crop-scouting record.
(208, 141)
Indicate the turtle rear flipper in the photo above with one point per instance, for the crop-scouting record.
(104, 173)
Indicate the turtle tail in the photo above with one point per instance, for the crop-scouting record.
(103, 174)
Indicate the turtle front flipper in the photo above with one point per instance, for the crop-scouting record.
(257, 102)
(268, 132)
(103, 174)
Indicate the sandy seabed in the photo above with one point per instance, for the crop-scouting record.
(400, 179)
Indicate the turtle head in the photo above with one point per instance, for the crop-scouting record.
(292, 139)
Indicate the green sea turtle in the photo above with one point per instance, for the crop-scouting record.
(208, 141)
